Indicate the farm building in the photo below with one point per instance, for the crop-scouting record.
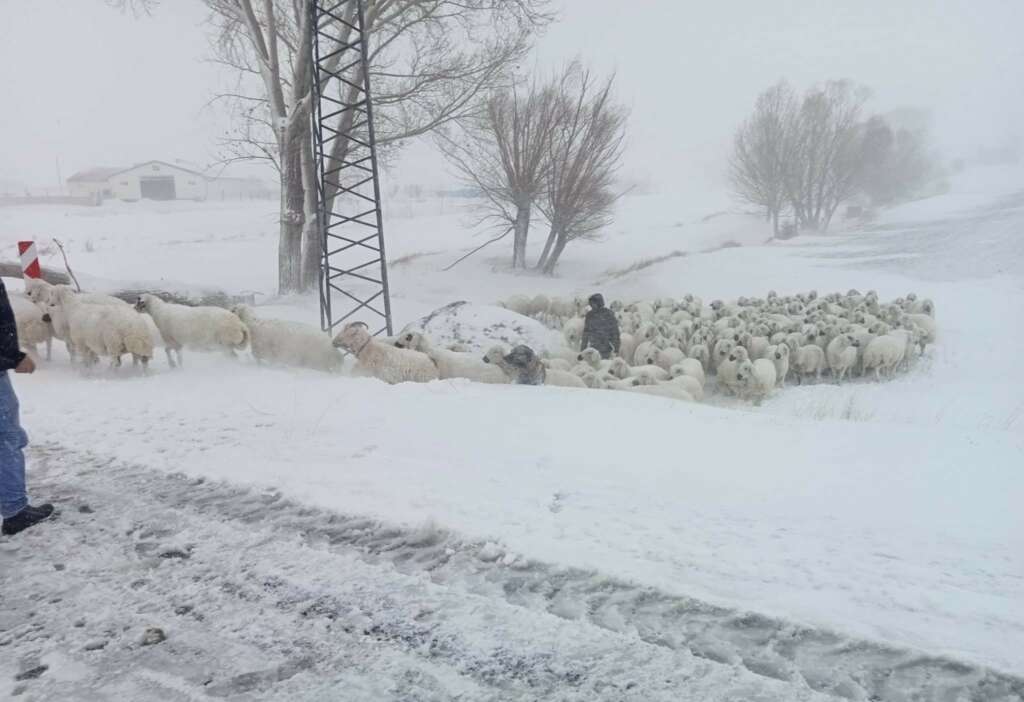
(157, 180)
(93, 183)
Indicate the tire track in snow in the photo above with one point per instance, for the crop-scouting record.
(797, 659)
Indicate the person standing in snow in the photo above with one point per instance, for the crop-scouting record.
(600, 328)
(17, 513)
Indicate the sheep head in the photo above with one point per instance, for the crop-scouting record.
(352, 337)
(410, 340)
(590, 356)
(494, 355)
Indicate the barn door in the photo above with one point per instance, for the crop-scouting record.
(157, 188)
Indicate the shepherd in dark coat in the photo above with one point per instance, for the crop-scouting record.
(600, 328)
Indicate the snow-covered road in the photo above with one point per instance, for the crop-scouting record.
(262, 598)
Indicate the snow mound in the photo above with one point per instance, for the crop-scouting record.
(479, 327)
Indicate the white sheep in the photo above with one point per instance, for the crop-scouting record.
(690, 367)
(556, 364)
(841, 355)
(452, 364)
(927, 326)
(565, 379)
(627, 345)
(32, 328)
(666, 358)
(756, 378)
(646, 354)
(520, 304)
(690, 385)
(104, 330)
(38, 291)
(613, 383)
(727, 378)
(883, 354)
(63, 292)
(723, 347)
(668, 390)
(562, 307)
(779, 356)
(757, 346)
(288, 343)
(384, 361)
(809, 360)
(573, 332)
(699, 352)
(204, 328)
(591, 358)
(60, 294)
(648, 373)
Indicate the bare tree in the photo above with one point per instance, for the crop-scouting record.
(586, 152)
(824, 155)
(761, 152)
(505, 154)
(431, 61)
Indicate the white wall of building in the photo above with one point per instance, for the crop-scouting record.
(86, 188)
(127, 185)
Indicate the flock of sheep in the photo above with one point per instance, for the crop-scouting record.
(672, 348)
(678, 348)
(749, 345)
(94, 326)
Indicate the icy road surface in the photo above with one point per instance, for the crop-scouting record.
(260, 598)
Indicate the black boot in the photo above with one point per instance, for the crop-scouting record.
(27, 517)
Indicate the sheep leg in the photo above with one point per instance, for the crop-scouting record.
(49, 349)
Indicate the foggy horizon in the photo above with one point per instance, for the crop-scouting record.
(124, 90)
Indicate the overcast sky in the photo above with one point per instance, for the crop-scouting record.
(85, 85)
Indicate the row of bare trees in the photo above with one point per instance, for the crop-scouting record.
(805, 155)
(552, 146)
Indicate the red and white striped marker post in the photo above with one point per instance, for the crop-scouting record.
(29, 259)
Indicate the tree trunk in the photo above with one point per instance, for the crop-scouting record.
(293, 203)
(556, 252)
(521, 231)
(312, 244)
(775, 223)
(542, 261)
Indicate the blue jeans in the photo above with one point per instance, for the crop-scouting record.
(12, 461)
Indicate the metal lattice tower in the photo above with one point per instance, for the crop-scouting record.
(353, 268)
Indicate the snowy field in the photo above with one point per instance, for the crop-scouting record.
(885, 516)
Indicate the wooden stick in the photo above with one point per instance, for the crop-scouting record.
(78, 288)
